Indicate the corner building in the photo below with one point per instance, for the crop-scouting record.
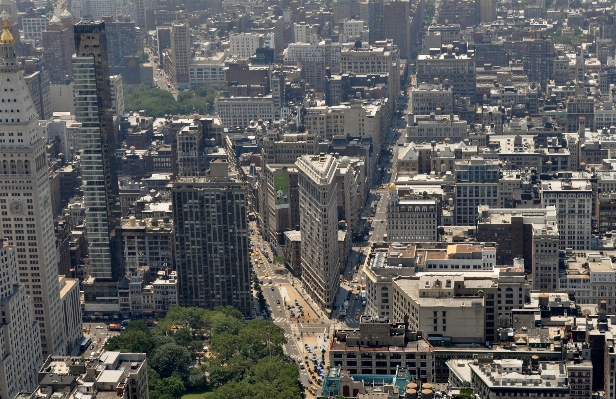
(319, 227)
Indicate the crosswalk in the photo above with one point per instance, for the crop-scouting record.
(279, 320)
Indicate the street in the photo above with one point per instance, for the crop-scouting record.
(288, 306)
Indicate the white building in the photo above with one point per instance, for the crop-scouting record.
(70, 298)
(411, 219)
(165, 290)
(319, 227)
(313, 52)
(25, 201)
(427, 128)
(33, 28)
(208, 71)
(573, 202)
(303, 33)
(20, 350)
(426, 98)
(245, 44)
(240, 111)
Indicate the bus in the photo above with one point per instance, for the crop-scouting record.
(85, 343)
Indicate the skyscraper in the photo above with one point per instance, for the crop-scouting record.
(58, 47)
(25, 203)
(319, 226)
(180, 53)
(20, 352)
(93, 110)
(211, 242)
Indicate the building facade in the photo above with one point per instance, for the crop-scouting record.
(211, 242)
(319, 227)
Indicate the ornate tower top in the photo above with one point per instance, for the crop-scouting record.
(7, 36)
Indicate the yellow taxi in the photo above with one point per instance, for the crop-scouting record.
(266, 274)
(257, 251)
(363, 287)
(258, 266)
(260, 261)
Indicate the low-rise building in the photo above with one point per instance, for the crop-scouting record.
(381, 347)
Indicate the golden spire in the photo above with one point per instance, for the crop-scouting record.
(6, 37)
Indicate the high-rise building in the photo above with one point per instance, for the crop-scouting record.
(21, 344)
(476, 184)
(180, 54)
(486, 10)
(319, 227)
(122, 40)
(58, 47)
(398, 27)
(93, 109)
(25, 203)
(211, 240)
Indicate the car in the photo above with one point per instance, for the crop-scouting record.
(269, 281)
(309, 381)
(301, 366)
(91, 347)
(277, 300)
(99, 327)
(272, 288)
(266, 274)
(357, 317)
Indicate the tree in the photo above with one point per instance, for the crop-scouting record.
(169, 359)
(171, 386)
(196, 379)
(135, 341)
(137, 325)
(281, 260)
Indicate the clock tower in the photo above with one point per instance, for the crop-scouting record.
(27, 224)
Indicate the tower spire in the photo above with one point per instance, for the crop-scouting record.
(7, 36)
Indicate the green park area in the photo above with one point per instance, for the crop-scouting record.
(195, 353)
(158, 103)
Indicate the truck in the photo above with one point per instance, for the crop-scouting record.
(113, 327)
(363, 295)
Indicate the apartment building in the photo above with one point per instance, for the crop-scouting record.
(208, 71)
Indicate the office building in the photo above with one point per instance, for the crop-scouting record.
(430, 97)
(93, 110)
(319, 227)
(486, 12)
(411, 218)
(20, 350)
(476, 184)
(380, 347)
(398, 26)
(33, 28)
(241, 111)
(573, 201)
(25, 201)
(447, 63)
(59, 45)
(528, 234)
(122, 40)
(211, 240)
(180, 54)
(244, 45)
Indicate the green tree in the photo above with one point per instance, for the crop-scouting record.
(169, 359)
(196, 379)
(137, 325)
(171, 386)
(135, 341)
